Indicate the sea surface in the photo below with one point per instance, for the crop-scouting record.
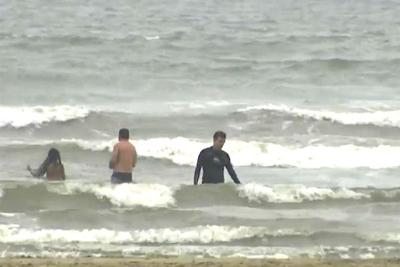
(307, 91)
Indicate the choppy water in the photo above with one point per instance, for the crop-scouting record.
(306, 90)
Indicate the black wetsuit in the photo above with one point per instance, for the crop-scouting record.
(213, 162)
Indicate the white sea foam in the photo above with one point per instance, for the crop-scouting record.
(367, 256)
(389, 237)
(218, 103)
(179, 106)
(200, 234)
(151, 38)
(294, 193)
(180, 150)
(7, 214)
(379, 118)
(80, 250)
(184, 151)
(171, 251)
(344, 256)
(35, 115)
(277, 256)
(41, 254)
(123, 195)
(219, 251)
(75, 250)
(167, 241)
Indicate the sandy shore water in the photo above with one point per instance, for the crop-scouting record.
(186, 262)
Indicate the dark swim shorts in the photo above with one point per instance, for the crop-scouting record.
(121, 177)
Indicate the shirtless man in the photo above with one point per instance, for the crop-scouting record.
(123, 159)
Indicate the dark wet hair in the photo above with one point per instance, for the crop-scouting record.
(123, 133)
(218, 134)
(53, 156)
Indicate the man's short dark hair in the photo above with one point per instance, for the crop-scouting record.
(123, 133)
(218, 134)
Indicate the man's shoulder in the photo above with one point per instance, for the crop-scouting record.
(225, 153)
(205, 150)
(124, 143)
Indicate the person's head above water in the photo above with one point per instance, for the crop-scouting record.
(219, 140)
(53, 156)
(123, 134)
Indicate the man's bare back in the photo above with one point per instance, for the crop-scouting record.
(123, 159)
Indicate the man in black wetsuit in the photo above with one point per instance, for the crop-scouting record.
(213, 160)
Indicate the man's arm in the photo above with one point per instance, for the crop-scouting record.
(134, 157)
(198, 168)
(114, 157)
(231, 171)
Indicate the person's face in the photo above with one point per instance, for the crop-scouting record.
(219, 143)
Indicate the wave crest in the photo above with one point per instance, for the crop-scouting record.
(123, 195)
(378, 118)
(184, 151)
(295, 193)
(199, 234)
(18, 117)
(207, 234)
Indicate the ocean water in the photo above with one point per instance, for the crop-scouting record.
(307, 91)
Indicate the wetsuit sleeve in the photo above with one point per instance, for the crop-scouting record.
(198, 168)
(231, 171)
